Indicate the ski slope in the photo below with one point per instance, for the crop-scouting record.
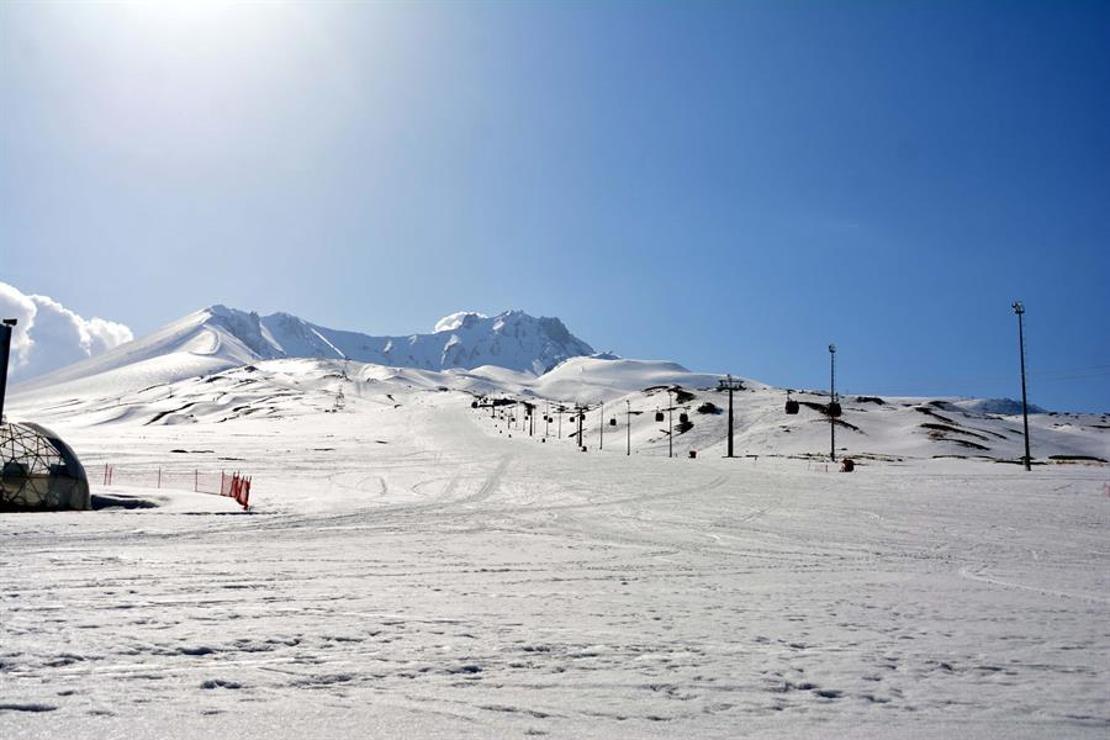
(415, 566)
(409, 569)
(618, 393)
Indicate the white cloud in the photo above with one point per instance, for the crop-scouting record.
(49, 335)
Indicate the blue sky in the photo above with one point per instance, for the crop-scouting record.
(730, 185)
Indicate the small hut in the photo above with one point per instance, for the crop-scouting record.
(39, 471)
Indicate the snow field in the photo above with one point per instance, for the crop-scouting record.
(408, 569)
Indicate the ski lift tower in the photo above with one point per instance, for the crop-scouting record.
(580, 410)
(730, 385)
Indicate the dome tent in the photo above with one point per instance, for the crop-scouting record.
(38, 471)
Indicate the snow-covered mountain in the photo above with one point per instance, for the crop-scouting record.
(218, 337)
(513, 340)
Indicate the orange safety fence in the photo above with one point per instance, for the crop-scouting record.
(232, 485)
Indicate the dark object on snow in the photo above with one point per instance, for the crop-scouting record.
(659, 416)
(681, 396)
(473, 404)
(684, 426)
(709, 408)
(693, 454)
(613, 421)
(848, 465)
(834, 410)
(683, 418)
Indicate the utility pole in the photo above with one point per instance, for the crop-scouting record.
(5, 349)
(1019, 309)
(832, 400)
(628, 425)
(670, 424)
(730, 385)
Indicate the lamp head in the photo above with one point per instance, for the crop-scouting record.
(1018, 307)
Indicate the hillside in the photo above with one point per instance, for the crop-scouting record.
(633, 391)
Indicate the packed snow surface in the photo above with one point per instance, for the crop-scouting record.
(417, 566)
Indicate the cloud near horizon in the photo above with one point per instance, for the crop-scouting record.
(49, 335)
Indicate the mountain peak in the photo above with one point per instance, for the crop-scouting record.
(457, 320)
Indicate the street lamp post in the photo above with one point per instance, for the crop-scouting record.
(1019, 309)
(5, 349)
(832, 400)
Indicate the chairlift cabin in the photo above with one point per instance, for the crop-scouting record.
(38, 471)
(659, 416)
(613, 421)
(683, 418)
(834, 409)
(792, 406)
